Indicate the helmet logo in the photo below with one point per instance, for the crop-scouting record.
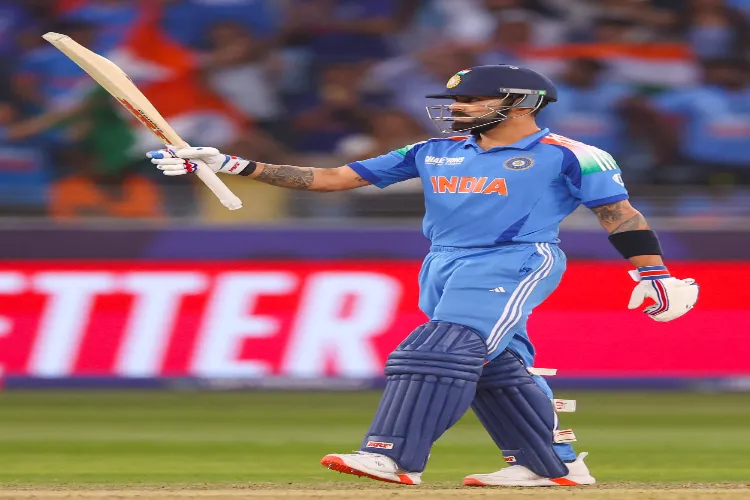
(519, 163)
(456, 79)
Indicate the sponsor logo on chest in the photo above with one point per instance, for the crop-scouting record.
(443, 160)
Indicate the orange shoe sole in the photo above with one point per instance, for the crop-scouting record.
(473, 482)
(335, 463)
(560, 481)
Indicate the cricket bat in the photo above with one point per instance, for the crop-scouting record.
(121, 87)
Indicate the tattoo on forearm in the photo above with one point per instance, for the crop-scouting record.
(609, 214)
(637, 221)
(286, 176)
(613, 213)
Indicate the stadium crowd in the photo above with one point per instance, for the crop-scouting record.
(663, 85)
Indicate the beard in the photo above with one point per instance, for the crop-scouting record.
(477, 125)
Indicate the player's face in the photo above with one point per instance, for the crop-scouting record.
(475, 111)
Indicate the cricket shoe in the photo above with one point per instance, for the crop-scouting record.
(372, 465)
(518, 475)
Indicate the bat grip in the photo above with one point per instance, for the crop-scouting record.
(210, 179)
(225, 195)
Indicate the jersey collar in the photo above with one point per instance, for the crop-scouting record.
(525, 144)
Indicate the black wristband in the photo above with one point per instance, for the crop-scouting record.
(249, 169)
(634, 243)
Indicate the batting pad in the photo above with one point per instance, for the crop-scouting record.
(431, 381)
(519, 417)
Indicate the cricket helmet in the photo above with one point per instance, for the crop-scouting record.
(519, 88)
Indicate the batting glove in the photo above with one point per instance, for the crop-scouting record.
(173, 161)
(672, 297)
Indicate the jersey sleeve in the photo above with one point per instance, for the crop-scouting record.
(592, 175)
(390, 168)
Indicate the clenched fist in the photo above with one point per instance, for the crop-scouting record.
(173, 161)
(672, 297)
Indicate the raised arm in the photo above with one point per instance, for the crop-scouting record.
(308, 178)
(183, 161)
(382, 171)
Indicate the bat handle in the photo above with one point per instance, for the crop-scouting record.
(210, 179)
(225, 195)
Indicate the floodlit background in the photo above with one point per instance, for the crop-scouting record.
(193, 329)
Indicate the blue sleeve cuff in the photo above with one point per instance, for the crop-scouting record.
(365, 173)
(605, 201)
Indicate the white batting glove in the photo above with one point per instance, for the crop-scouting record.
(673, 297)
(173, 161)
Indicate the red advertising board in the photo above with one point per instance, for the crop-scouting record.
(313, 319)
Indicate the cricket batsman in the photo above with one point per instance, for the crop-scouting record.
(494, 201)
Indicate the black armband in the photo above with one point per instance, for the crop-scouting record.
(634, 243)
(249, 169)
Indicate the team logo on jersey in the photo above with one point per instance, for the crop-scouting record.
(455, 80)
(618, 179)
(519, 163)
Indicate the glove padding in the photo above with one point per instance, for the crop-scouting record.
(173, 161)
(673, 297)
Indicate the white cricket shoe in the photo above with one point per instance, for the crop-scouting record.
(518, 475)
(372, 465)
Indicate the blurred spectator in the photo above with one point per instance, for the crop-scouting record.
(343, 30)
(546, 26)
(635, 51)
(410, 77)
(113, 19)
(168, 73)
(87, 194)
(24, 165)
(714, 29)
(461, 21)
(588, 109)
(388, 129)
(513, 34)
(188, 21)
(47, 78)
(339, 111)
(742, 6)
(707, 128)
(321, 82)
(104, 178)
(514, 42)
(242, 70)
(622, 20)
(14, 19)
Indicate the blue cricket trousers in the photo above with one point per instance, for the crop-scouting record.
(493, 290)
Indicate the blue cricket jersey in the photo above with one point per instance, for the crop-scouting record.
(516, 193)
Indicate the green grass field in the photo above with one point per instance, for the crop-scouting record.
(156, 438)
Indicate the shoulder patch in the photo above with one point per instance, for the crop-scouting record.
(403, 151)
(591, 159)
